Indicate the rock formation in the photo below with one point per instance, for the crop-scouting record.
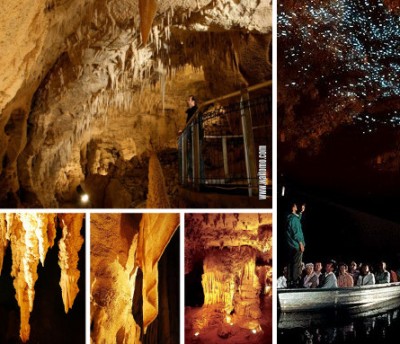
(123, 247)
(84, 91)
(229, 246)
(157, 196)
(30, 236)
(70, 244)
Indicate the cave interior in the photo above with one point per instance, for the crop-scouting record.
(93, 88)
(228, 278)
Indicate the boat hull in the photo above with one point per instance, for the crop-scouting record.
(356, 299)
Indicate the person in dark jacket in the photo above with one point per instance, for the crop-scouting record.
(192, 108)
(296, 244)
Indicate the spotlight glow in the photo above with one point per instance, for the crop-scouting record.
(85, 198)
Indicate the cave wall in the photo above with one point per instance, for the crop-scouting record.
(230, 280)
(124, 246)
(205, 231)
(80, 77)
(235, 252)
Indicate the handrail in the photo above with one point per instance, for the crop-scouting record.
(233, 94)
(237, 93)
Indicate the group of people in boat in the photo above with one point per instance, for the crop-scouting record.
(311, 275)
(339, 275)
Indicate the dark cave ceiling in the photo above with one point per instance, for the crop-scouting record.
(338, 91)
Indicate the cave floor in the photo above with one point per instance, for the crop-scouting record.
(216, 326)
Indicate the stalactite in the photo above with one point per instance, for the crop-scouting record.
(30, 239)
(163, 82)
(156, 36)
(147, 11)
(30, 235)
(70, 245)
(160, 228)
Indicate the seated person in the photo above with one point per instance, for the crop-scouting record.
(318, 272)
(344, 279)
(353, 271)
(366, 277)
(330, 280)
(393, 276)
(282, 280)
(310, 279)
(382, 276)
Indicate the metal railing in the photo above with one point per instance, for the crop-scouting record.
(220, 145)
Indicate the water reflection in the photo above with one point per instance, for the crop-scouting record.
(311, 329)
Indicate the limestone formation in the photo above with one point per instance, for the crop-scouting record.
(81, 89)
(228, 247)
(157, 195)
(70, 245)
(31, 235)
(121, 245)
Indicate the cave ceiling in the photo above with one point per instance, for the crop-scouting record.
(113, 74)
(205, 232)
(338, 91)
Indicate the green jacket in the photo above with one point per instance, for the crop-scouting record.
(294, 233)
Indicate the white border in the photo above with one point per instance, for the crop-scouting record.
(274, 167)
(87, 278)
(182, 279)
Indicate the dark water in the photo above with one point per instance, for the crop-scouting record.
(381, 328)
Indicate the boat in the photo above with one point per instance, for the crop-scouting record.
(350, 300)
(293, 320)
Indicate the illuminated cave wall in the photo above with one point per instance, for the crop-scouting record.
(230, 279)
(84, 101)
(34, 266)
(235, 251)
(125, 251)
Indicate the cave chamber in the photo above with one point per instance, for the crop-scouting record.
(92, 89)
(234, 303)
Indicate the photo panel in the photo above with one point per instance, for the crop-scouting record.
(338, 226)
(119, 97)
(42, 277)
(228, 278)
(134, 278)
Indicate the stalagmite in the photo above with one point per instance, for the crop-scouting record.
(70, 245)
(30, 235)
(157, 196)
(228, 245)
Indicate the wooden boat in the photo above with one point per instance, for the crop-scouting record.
(352, 300)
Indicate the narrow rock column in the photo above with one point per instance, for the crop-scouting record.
(70, 245)
(31, 235)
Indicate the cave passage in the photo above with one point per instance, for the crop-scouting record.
(100, 87)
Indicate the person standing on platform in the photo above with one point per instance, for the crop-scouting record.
(192, 108)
